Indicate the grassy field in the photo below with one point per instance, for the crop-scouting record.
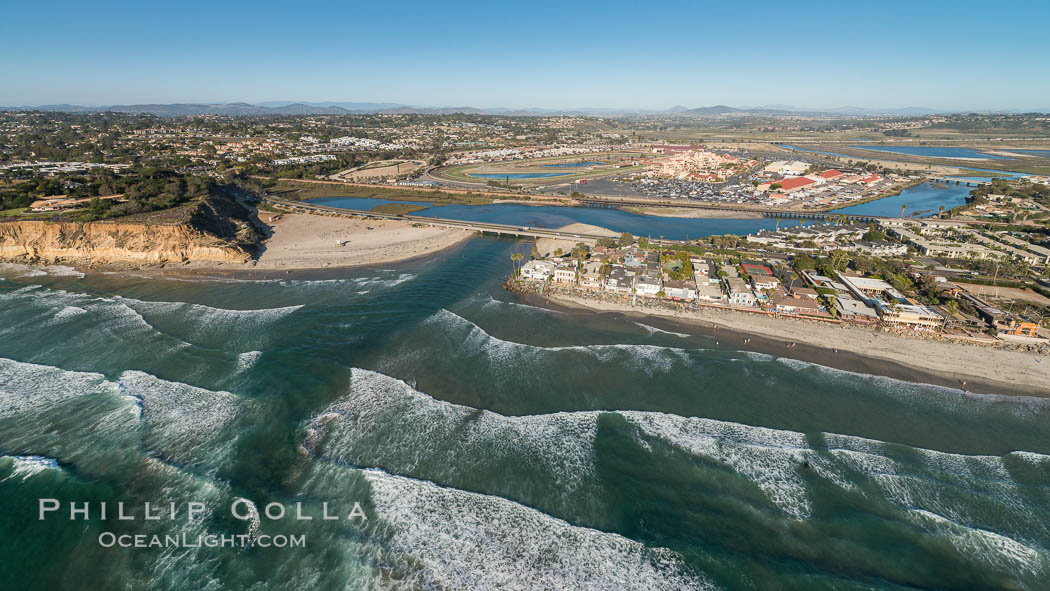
(462, 173)
(293, 191)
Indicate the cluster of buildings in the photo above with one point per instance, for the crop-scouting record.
(363, 144)
(948, 239)
(303, 159)
(826, 237)
(829, 186)
(52, 168)
(674, 276)
(772, 286)
(698, 164)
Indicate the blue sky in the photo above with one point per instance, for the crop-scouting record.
(960, 55)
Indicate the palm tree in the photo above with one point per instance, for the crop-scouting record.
(940, 212)
(903, 207)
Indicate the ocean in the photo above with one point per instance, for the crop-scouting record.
(489, 444)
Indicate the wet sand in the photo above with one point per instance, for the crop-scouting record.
(984, 370)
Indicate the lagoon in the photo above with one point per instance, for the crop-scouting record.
(932, 151)
(928, 197)
(551, 217)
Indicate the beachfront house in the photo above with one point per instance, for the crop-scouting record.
(907, 313)
(590, 275)
(565, 274)
(619, 280)
(786, 303)
(740, 293)
(537, 270)
(648, 285)
(762, 277)
(852, 310)
(682, 290)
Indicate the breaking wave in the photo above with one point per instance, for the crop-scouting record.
(182, 324)
(26, 466)
(28, 387)
(653, 330)
(464, 540)
(440, 440)
(178, 418)
(473, 340)
(446, 443)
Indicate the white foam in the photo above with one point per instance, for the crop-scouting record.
(26, 387)
(770, 458)
(247, 360)
(462, 540)
(62, 271)
(211, 316)
(993, 549)
(654, 330)
(383, 282)
(358, 429)
(647, 358)
(182, 416)
(26, 466)
(68, 312)
(38, 271)
(124, 316)
(493, 302)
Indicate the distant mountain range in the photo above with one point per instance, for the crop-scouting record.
(366, 108)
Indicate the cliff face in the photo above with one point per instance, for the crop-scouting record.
(213, 230)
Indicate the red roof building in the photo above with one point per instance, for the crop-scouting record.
(831, 174)
(788, 185)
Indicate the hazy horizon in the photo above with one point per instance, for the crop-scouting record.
(540, 56)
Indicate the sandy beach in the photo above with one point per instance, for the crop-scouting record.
(984, 369)
(303, 241)
(546, 246)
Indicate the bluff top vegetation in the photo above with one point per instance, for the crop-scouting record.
(144, 190)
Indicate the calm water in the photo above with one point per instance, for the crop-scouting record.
(927, 197)
(933, 151)
(556, 217)
(1001, 173)
(490, 443)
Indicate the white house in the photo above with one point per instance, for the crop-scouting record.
(684, 290)
(740, 293)
(537, 270)
(648, 286)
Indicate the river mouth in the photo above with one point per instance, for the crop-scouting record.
(487, 439)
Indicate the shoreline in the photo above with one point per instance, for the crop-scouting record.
(840, 348)
(300, 242)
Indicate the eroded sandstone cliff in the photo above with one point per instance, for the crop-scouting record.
(212, 230)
